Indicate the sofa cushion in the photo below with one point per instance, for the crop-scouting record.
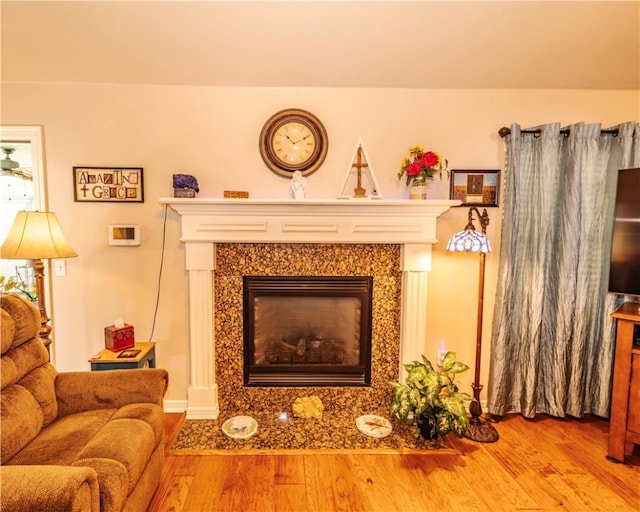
(151, 414)
(127, 441)
(61, 441)
(7, 331)
(25, 316)
(20, 360)
(22, 419)
(41, 384)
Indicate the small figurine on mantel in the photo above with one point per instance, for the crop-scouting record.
(298, 185)
(185, 185)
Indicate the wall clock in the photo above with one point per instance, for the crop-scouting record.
(293, 140)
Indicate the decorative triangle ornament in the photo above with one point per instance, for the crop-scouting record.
(360, 181)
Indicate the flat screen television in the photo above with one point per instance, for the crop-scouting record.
(624, 271)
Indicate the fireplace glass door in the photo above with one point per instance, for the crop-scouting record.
(307, 331)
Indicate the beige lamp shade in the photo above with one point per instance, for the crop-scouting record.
(36, 235)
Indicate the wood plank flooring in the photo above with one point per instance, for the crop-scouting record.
(546, 464)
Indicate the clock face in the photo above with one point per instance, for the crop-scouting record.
(293, 140)
(294, 144)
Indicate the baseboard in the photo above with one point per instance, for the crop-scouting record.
(175, 405)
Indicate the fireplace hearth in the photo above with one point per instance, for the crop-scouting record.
(307, 331)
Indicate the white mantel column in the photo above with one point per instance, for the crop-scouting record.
(415, 263)
(202, 395)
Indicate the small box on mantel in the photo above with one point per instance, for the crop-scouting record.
(236, 194)
(184, 192)
(119, 338)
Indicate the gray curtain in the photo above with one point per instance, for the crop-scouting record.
(552, 343)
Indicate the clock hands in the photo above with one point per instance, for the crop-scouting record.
(296, 142)
(303, 138)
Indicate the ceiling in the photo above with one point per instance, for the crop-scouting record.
(415, 44)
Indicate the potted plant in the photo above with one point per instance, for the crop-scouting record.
(430, 399)
(419, 166)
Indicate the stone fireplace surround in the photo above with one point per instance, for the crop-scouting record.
(207, 222)
(233, 261)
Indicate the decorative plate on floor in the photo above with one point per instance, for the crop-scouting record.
(374, 426)
(240, 427)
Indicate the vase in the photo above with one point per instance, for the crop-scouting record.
(418, 189)
(427, 427)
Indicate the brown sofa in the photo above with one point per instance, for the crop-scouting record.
(81, 441)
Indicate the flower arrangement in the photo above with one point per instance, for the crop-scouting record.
(15, 284)
(421, 163)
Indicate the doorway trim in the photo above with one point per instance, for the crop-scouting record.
(34, 136)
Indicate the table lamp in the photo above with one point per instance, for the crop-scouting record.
(37, 236)
(469, 240)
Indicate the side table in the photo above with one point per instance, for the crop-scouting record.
(108, 360)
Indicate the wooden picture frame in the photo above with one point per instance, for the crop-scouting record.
(479, 187)
(108, 184)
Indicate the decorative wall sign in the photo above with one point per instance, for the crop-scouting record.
(475, 187)
(108, 184)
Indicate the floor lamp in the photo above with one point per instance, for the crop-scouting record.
(469, 240)
(37, 236)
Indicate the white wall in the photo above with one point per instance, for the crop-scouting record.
(212, 133)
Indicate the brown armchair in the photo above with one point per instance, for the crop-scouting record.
(85, 441)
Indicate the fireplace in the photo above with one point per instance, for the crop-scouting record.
(307, 331)
(206, 223)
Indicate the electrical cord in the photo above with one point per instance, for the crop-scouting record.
(164, 240)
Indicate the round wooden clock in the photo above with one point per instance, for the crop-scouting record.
(293, 140)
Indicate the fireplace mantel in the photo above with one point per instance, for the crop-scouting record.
(322, 221)
(205, 222)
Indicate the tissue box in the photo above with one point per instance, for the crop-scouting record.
(119, 338)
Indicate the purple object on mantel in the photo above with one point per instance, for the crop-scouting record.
(185, 181)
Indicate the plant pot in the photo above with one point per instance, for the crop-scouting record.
(427, 427)
(418, 189)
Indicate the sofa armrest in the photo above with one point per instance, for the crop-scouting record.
(46, 488)
(85, 391)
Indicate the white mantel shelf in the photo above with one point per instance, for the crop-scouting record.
(205, 222)
(308, 220)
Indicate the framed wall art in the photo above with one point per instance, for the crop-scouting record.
(475, 187)
(108, 184)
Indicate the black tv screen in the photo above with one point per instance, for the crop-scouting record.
(624, 272)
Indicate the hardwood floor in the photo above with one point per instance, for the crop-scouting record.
(546, 464)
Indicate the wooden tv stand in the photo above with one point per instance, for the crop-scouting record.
(624, 423)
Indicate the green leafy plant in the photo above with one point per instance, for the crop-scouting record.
(430, 399)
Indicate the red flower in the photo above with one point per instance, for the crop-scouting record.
(429, 159)
(414, 169)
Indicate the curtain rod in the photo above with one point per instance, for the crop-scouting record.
(504, 131)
